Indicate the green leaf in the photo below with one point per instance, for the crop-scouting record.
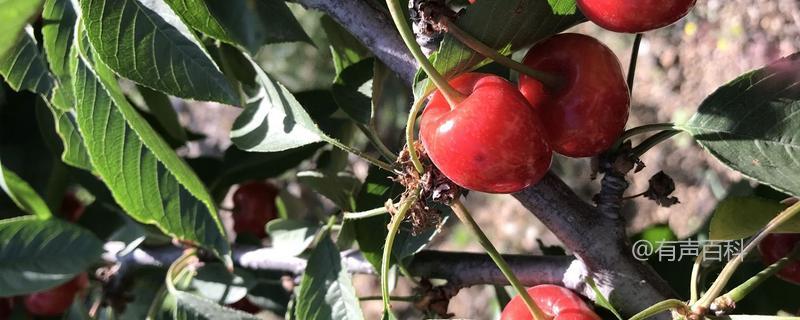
(144, 41)
(142, 291)
(24, 67)
(371, 232)
(275, 121)
(57, 35)
(738, 218)
(145, 176)
(752, 124)
(352, 90)
(601, 300)
(326, 290)
(408, 244)
(74, 152)
(39, 254)
(215, 282)
(242, 23)
(563, 7)
(190, 306)
(338, 187)
(345, 48)
(522, 23)
(23, 194)
(278, 23)
(291, 237)
(15, 15)
(57, 32)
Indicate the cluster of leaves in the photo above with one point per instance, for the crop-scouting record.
(101, 75)
(80, 61)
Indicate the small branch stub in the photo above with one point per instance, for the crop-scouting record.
(433, 185)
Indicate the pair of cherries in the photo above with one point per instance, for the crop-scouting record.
(500, 138)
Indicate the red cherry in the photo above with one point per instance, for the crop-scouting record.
(634, 16)
(490, 142)
(557, 302)
(587, 112)
(776, 246)
(71, 207)
(56, 300)
(253, 207)
(245, 305)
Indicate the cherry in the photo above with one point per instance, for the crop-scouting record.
(71, 207)
(586, 112)
(634, 16)
(55, 301)
(776, 246)
(556, 302)
(492, 141)
(253, 207)
(245, 305)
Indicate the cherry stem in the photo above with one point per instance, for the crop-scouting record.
(634, 57)
(549, 80)
(634, 196)
(180, 265)
(694, 292)
(741, 291)
(646, 129)
(154, 310)
(640, 130)
(372, 160)
(394, 227)
(452, 96)
(701, 306)
(466, 218)
(653, 141)
(659, 308)
(174, 272)
(365, 214)
(393, 298)
(410, 124)
(376, 142)
(325, 231)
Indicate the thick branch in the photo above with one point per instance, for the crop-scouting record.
(599, 241)
(458, 268)
(468, 269)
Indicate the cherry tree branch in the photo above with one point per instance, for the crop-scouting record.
(598, 239)
(600, 242)
(460, 269)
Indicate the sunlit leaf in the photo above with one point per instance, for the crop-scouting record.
(752, 124)
(326, 290)
(15, 14)
(143, 40)
(147, 179)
